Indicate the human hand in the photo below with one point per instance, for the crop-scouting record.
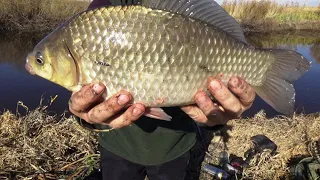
(233, 100)
(89, 105)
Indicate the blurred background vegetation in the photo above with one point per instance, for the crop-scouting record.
(264, 15)
(37, 15)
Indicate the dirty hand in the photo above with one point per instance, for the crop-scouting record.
(233, 100)
(89, 105)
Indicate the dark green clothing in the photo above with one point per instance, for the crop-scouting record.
(150, 141)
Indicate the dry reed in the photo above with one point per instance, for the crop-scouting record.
(291, 135)
(40, 144)
(37, 15)
(267, 15)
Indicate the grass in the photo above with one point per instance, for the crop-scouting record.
(298, 14)
(41, 144)
(267, 15)
(37, 15)
(291, 135)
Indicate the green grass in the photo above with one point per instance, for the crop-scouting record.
(298, 14)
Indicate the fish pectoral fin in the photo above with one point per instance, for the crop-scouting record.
(157, 113)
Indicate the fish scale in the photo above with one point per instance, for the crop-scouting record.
(155, 58)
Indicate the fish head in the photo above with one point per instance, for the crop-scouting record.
(52, 60)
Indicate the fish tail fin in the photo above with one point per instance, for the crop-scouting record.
(277, 90)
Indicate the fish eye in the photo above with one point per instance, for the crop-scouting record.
(39, 58)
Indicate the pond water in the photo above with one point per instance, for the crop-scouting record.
(17, 85)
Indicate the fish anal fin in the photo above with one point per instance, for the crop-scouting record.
(157, 113)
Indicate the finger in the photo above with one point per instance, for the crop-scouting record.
(195, 113)
(88, 95)
(105, 110)
(132, 114)
(204, 103)
(230, 103)
(217, 117)
(243, 90)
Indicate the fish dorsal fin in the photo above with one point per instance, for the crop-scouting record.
(207, 11)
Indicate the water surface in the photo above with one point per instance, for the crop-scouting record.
(18, 85)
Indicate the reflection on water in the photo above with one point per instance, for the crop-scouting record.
(283, 39)
(18, 85)
(315, 51)
(308, 86)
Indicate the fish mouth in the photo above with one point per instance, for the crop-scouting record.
(29, 69)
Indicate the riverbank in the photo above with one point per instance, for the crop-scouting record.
(254, 16)
(266, 16)
(43, 144)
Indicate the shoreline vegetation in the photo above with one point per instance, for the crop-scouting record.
(254, 16)
(39, 145)
(37, 15)
(267, 15)
(42, 145)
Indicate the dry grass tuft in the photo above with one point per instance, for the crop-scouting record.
(291, 135)
(44, 145)
(41, 143)
(267, 15)
(252, 10)
(37, 15)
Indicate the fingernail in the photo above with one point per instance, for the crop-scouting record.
(215, 85)
(136, 111)
(97, 88)
(123, 99)
(235, 82)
